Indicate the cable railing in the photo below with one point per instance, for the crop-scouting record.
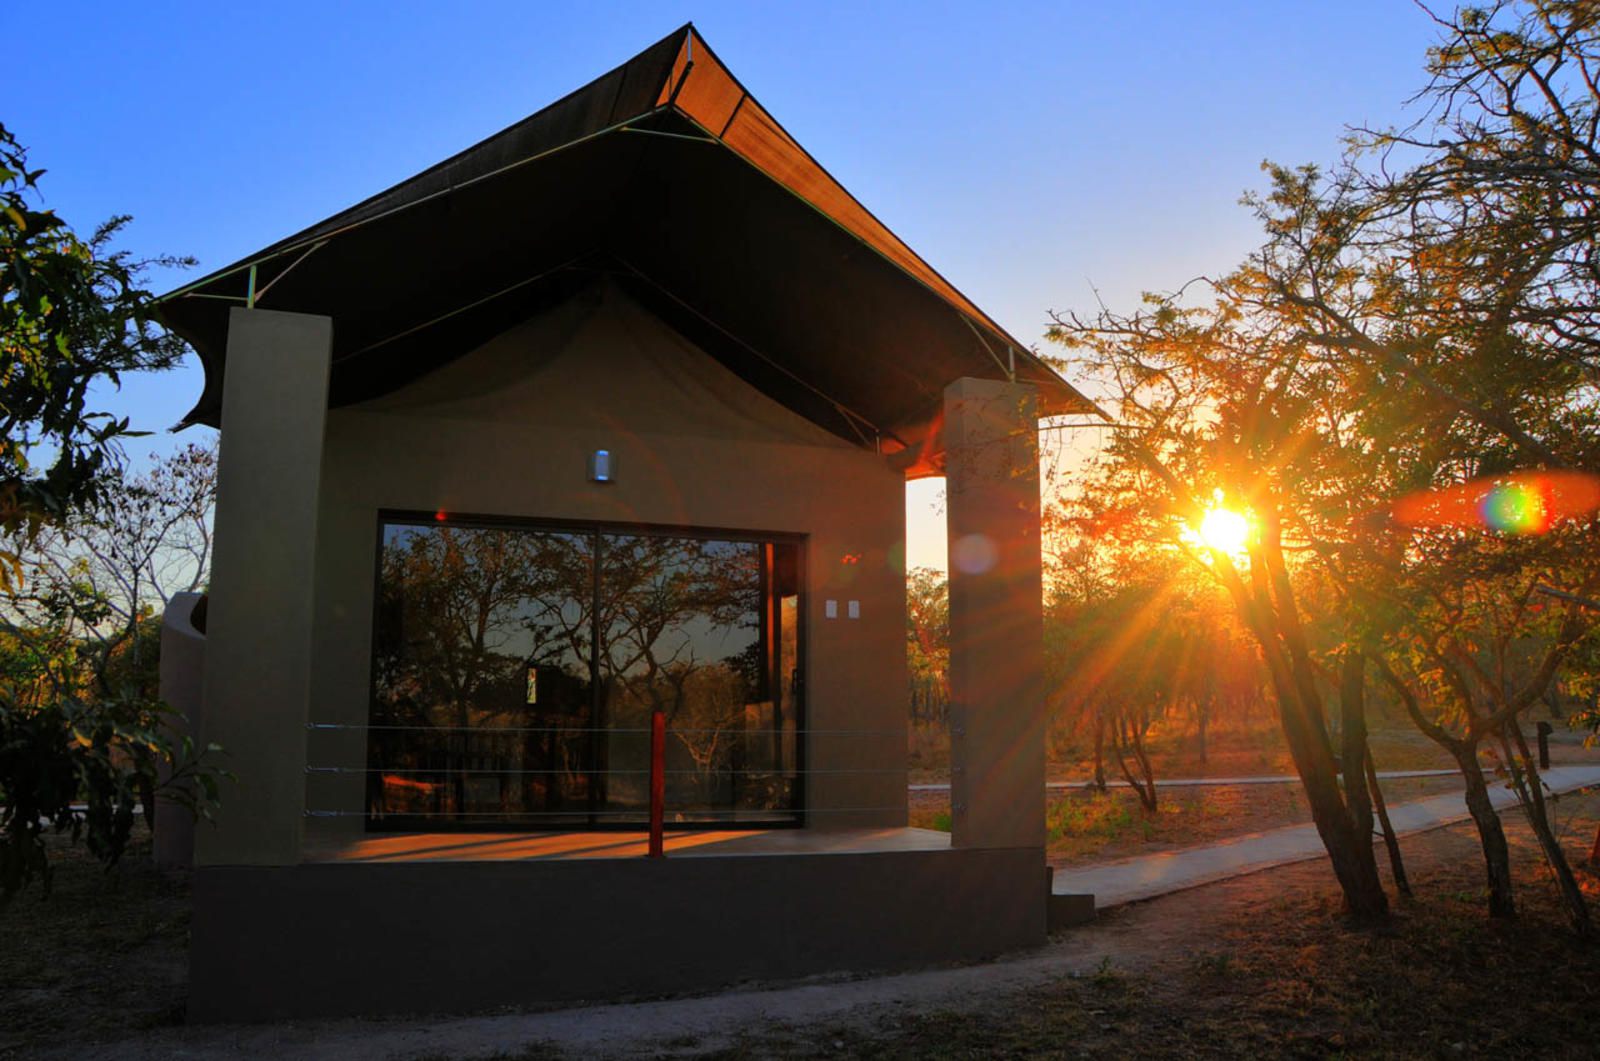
(735, 730)
(421, 776)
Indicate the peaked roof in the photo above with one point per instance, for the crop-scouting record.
(665, 174)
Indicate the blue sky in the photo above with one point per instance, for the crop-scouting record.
(1032, 152)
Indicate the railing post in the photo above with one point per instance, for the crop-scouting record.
(658, 782)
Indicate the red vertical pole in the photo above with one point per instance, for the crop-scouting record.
(658, 782)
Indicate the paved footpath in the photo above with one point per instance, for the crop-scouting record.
(1114, 883)
(1196, 782)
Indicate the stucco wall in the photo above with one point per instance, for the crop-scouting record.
(507, 430)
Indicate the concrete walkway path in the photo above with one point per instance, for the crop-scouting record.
(1195, 782)
(1130, 880)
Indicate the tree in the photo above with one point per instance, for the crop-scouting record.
(928, 643)
(108, 575)
(72, 315)
(80, 710)
(1215, 405)
(1129, 653)
(1419, 324)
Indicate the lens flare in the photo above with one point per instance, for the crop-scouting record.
(1515, 508)
(974, 554)
(1522, 503)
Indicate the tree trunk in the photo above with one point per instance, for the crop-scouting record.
(1204, 721)
(1267, 604)
(1530, 793)
(1147, 792)
(1397, 865)
(1594, 852)
(1099, 749)
(1496, 856)
(1349, 848)
(1353, 739)
(1128, 739)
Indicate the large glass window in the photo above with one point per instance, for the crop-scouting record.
(516, 670)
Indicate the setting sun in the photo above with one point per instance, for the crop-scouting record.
(1225, 531)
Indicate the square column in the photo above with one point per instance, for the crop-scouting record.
(259, 616)
(997, 710)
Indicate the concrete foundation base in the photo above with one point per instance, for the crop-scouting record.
(1070, 911)
(343, 939)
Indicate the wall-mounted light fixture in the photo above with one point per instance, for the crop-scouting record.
(602, 466)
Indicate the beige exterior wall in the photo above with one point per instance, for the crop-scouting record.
(507, 431)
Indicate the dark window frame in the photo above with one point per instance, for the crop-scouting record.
(797, 817)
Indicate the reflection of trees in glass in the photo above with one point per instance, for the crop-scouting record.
(464, 611)
(673, 624)
(463, 614)
(680, 621)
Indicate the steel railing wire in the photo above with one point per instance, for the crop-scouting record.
(668, 795)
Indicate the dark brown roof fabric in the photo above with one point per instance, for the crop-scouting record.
(706, 92)
(666, 176)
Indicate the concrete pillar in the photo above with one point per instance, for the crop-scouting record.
(183, 658)
(258, 623)
(996, 616)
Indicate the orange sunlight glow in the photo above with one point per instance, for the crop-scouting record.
(1221, 529)
(1225, 531)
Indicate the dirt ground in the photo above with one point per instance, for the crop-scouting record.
(1263, 964)
(106, 955)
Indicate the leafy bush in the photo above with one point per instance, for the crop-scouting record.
(88, 768)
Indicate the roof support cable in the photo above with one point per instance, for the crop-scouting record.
(860, 434)
(853, 418)
(879, 252)
(474, 304)
(737, 107)
(290, 248)
(688, 65)
(1011, 370)
(1096, 425)
(262, 293)
(670, 136)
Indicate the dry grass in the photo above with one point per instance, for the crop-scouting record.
(1235, 747)
(1253, 745)
(1089, 826)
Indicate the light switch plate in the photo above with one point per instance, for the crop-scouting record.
(853, 609)
(830, 609)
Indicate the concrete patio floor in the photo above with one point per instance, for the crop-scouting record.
(511, 847)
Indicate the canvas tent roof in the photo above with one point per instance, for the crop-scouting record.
(668, 177)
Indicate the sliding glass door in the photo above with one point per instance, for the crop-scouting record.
(516, 669)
